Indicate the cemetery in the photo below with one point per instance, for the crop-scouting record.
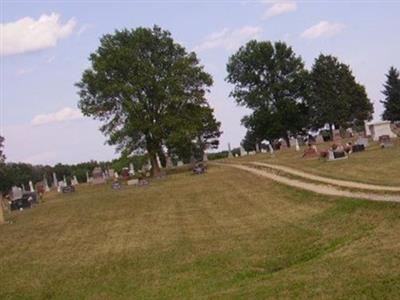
(202, 161)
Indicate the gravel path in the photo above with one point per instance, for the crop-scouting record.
(344, 183)
(316, 188)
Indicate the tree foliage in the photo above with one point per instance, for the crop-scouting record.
(270, 80)
(391, 102)
(335, 96)
(2, 156)
(144, 86)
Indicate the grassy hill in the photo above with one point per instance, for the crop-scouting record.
(227, 234)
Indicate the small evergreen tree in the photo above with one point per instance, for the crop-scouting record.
(392, 96)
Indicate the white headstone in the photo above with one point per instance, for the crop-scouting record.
(55, 181)
(87, 177)
(133, 181)
(180, 163)
(296, 143)
(131, 169)
(31, 186)
(168, 162)
(16, 193)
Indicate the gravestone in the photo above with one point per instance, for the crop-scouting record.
(205, 156)
(252, 153)
(180, 163)
(296, 144)
(385, 141)
(16, 193)
(111, 173)
(319, 139)
(98, 176)
(68, 189)
(362, 141)
(133, 181)
(116, 185)
(87, 177)
(257, 147)
(131, 169)
(168, 162)
(74, 181)
(55, 181)
(31, 186)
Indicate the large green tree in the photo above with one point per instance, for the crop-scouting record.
(141, 84)
(391, 102)
(270, 80)
(334, 95)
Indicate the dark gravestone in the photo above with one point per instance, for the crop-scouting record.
(385, 141)
(27, 200)
(340, 154)
(68, 189)
(358, 148)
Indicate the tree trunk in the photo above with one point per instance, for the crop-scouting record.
(1, 210)
(287, 140)
(155, 168)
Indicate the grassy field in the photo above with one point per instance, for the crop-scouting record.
(375, 165)
(224, 235)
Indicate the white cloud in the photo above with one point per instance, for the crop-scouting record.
(28, 34)
(323, 29)
(279, 7)
(65, 114)
(229, 39)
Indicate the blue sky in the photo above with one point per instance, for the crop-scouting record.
(45, 46)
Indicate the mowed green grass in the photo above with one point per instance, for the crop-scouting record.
(375, 165)
(224, 235)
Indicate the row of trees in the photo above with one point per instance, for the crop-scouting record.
(285, 98)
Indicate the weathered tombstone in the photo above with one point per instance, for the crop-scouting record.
(292, 142)
(381, 129)
(263, 150)
(180, 163)
(296, 144)
(98, 176)
(116, 185)
(87, 177)
(116, 176)
(39, 188)
(362, 141)
(111, 173)
(385, 141)
(319, 139)
(252, 153)
(74, 181)
(131, 169)
(133, 181)
(168, 162)
(68, 189)
(46, 184)
(229, 151)
(31, 186)
(65, 180)
(16, 193)
(205, 156)
(55, 181)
